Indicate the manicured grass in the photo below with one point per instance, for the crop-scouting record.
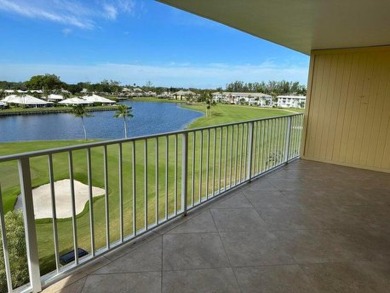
(223, 162)
(225, 113)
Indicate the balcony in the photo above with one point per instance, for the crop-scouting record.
(185, 212)
(307, 227)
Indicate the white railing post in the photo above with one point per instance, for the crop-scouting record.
(288, 136)
(184, 172)
(250, 150)
(29, 224)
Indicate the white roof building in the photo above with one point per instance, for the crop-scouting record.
(259, 99)
(97, 99)
(74, 101)
(24, 100)
(291, 101)
(53, 97)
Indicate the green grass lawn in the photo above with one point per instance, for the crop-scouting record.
(223, 162)
(225, 113)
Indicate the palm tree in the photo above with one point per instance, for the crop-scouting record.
(80, 111)
(123, 112)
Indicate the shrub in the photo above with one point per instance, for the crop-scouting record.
(16, 251)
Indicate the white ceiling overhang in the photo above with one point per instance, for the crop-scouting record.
(302, 25)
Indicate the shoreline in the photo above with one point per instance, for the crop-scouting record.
(52, 110)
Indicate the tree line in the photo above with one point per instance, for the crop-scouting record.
(273, 88)
(53, 83)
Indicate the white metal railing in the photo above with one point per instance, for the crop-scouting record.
(146, 180)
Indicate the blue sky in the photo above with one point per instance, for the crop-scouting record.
(134, 41)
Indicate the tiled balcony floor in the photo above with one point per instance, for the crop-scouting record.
(308, 227)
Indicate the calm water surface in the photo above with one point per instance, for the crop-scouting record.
(149, 118)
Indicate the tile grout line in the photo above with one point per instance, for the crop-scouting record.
(227, 255)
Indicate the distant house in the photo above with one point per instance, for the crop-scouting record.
(150, 94)
(95, 99)
(165, 95)
(75, 101)
(291, 101)
(25, 100)
(54, 98)
(257, 99)
(184, 95)
(137, 92)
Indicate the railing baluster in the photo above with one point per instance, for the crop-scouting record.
(208, 163)
(276, 142)
(120, 171)
(184, 180)
(133, 171)
(242, 160)
(193, 168)
(258, 148)
(226, 154)
(214, 160)
(267, 145)
(29, 223)
(54, 212)
(262, 146)
(220, 158)
(146, 184)
(73, 202)
(176, 175)
(106, 201)
(157, 181)
(231, 158)
(250, 148)
(166, 175)
(288, 136)
(281, 138)
(236, 155)
(91, 217)
(255, 148)
(272, 141)
(201, 166)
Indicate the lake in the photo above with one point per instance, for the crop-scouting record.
(149, 118)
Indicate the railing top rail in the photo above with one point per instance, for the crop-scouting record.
(124, 140)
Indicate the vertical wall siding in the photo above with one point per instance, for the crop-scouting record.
(348, 114)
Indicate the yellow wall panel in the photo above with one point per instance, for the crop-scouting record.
(348, 109)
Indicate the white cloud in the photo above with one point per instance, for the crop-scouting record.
(66, 31)
(126, 5)
(110, 11)
(202, 76)
(76, 13)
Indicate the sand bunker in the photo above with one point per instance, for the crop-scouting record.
(63, 198)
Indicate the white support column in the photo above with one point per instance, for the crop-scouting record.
(29, 224)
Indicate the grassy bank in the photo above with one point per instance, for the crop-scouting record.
(225, 113)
